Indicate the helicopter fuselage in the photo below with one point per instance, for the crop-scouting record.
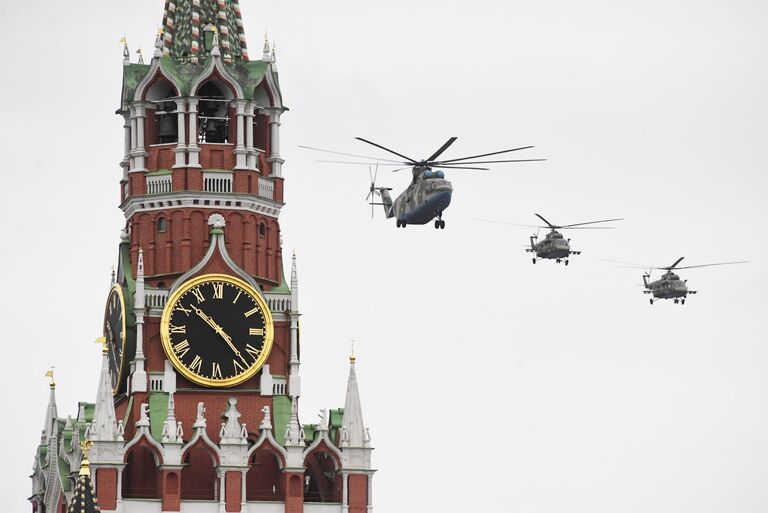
(669, 286)
(428, 195)
(553, 247)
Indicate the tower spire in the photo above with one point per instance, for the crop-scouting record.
(51, 413)
(353, 429)
(104, 425)
(84, 496)
(185, 38)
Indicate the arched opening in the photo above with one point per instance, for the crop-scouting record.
(262, 230)
(213, 112)
(321, 481)
(140, 474)
(263, 481)
(162, 112)
(199, 480)
(162, 225)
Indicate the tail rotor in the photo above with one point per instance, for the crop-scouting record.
(373, 191)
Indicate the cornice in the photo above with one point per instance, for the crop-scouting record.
(203, 200)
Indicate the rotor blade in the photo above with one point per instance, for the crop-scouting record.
(592, 222)
(586, 228)
(547, 222)
(440, 164)
(409, 159)
(488, 154)
(400, 169)
(361, 163)
(345, 154)
(673, 265)
(710, 265)
(442, 149)
(463, 167)
(509, 224)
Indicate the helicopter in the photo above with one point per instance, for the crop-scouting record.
(429, 193)
(555, 246)
(670, 285)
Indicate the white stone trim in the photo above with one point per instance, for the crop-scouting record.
(187, 199)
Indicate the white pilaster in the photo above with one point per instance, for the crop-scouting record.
(181, 148)
(241, 153)
(251, 159)
(345, 493)
(274, 150)
(294, 380)
(139, 377)
(140, 151)
(192, 148)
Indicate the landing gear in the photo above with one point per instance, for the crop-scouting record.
(558, 260)
(682, 301)
(566, 262)
(439, 224)
(676, 301)
(651, 301)
(401, 224)
(534, 260)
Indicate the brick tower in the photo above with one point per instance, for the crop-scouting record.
(197, 401)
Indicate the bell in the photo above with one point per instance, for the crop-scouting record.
(168, 131)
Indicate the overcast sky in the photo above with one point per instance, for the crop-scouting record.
(489, 384)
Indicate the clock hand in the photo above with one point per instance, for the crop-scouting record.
(218, 329)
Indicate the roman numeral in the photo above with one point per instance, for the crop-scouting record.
(238, 368)
(181, 348)
(237, 296)
(196, 364)
(218, 290)
(178, 329)
(255, 353)
(198, 294)
(256, 332)
(216, 371)
(181, 307)
(251, 312)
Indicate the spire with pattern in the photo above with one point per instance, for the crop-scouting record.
(189, 27)
(84, 496)
(51, 413)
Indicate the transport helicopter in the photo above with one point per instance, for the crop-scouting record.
(670, 285)
(555, 246)
(429, 193)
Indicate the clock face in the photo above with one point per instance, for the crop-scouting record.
(216, 330)
(114, 332)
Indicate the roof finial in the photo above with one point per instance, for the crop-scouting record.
(215, 51)
(103, 342)
(267, 57)
(85, 466)
(112, 283)
(141, 55)
(49, 374)
(352, 357)
(126, 52)
(159, 43)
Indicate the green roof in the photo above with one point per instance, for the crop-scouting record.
(281, 416)
(158, 413)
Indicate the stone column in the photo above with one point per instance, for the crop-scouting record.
(192, 148)
(345, 493)
(140, 151)
(251, 160)
(241, 153)
(370, 493)
(181, 147)
(274, 147)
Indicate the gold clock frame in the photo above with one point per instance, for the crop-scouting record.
(123, 334)
(269, 331)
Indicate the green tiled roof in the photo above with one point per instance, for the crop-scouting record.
(158, 413)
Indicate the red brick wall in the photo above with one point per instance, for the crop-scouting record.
(358, 493)
(264, 481)
(294, 499)
(187, 236)
(161, 157)
(171, 491)
(106, 488)
(234, 482)
(199, 480)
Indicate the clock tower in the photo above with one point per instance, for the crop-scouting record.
(197, 406)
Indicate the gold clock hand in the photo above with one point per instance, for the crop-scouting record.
(219, 330)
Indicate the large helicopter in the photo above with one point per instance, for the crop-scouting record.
(670, 285)
(429, 193)
(555, 246)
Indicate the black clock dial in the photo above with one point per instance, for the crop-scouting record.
(114, 332)
(216, 330)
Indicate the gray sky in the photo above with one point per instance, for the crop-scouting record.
(488, 383)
